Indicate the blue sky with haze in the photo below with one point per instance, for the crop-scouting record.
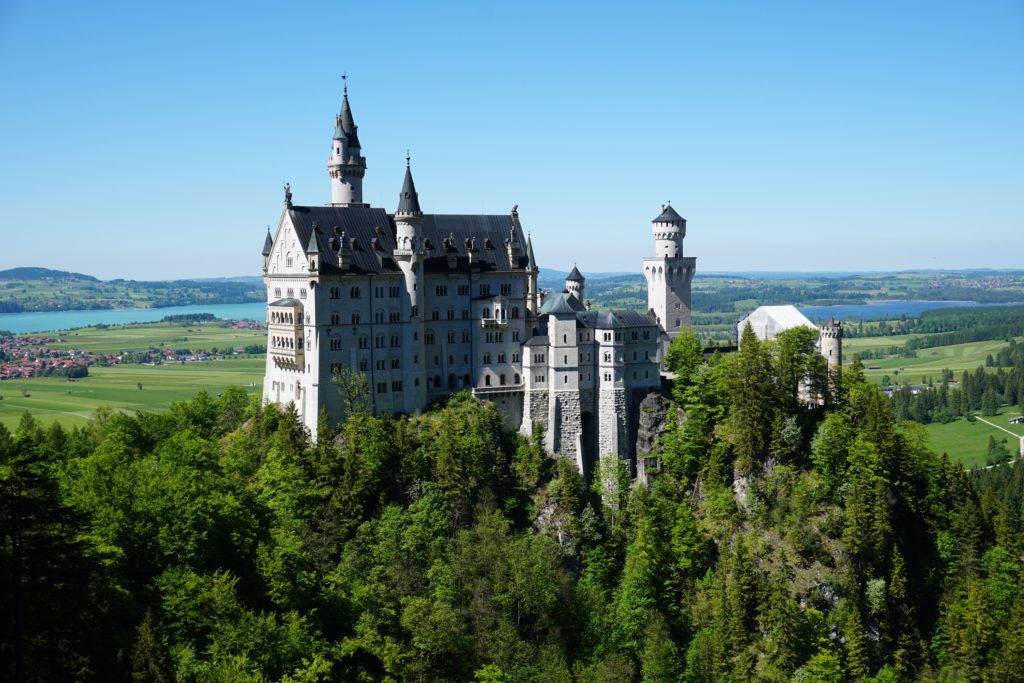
(150, 140)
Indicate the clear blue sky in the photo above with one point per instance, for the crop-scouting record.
(150, 140)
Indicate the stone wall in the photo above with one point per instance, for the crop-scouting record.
(567, 424)
(613, 417)
(535, 411)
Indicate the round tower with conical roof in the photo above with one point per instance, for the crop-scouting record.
(575, 283)
(346, 166)
(408, 254)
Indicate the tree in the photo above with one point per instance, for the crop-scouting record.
(751, 401)
(684, 356)
(354, 391)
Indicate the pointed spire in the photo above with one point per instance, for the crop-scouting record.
(345, 121)
(268, 244)
(314, 244)
(531, 261)
(339, 132)
(575, 275)
(409, 199)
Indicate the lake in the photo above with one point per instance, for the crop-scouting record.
(63, 320)
(884, 309)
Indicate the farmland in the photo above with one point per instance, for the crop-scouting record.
(55, 399)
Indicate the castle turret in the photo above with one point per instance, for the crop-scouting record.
(408, 255)
(669, 274)
(575, 283)
(346, 165)
(268, 248)
(831, 343)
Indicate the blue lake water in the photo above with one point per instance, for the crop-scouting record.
(884, 309)
(63, 320)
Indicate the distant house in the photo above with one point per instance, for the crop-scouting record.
(1017, 420)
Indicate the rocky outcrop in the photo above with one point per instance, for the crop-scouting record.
(653, 412)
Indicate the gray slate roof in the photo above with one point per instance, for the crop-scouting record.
(348, 124)
(669, 215)
(268, 244)
(612, 319)
(409, 198)
(364, 227)
(561, 303)
(286, 302)
(576, 275)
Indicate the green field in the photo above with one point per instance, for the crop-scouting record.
(141, 336)
(928, 363)
(71, 403)
(968, 441)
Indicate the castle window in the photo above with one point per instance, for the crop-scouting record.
(335, 318)
(607, 336)
(355, 317)
(515, 311)
(289, 261)
(565, 360)
(634, 355)
(364, 343)
(334, 292)
(677, 322)
(396, 386)
(382, 387)
(486, 313)
(441, 290)
(607, 377)
(451, 337)
(565, 339)
(378, 292)
(428, 338)
(302, 292)
(451, 359)
(465, 336)
(501, 379)
(355, 293)
(501, 358)
(465, 314)
(394, 340)
(565, 379)
(335, 345)
(395, 364)
(435, 314)
(487, 380)
(291, 293)
(393, 292)
(395, 316)
(379, 341)
(515, 335)
(364, 365)
(451, 314)
(506, 289)
(487, 359)
(635, 335)
(378, 317)
(379, 364)
(647, 334)
(451, 381)
(634, 375)
(607, 358)
(277, 292)
(485, 289)
(515, 357)
(515, 378)
(463, 290)
(647, 355)
(467, 380)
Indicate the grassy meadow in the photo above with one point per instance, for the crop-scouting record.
(968, 441)
(141, 336)
(928, 363)
(52, 399)
(74, 402)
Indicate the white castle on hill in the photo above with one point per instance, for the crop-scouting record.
(425, 305)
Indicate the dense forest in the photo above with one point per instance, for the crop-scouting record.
(778, 541)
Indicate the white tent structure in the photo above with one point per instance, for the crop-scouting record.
(769, 321)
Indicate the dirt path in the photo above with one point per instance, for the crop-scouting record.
(1019, 438)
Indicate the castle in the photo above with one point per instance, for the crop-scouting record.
(425, 305)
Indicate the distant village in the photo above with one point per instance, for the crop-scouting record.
(32, 356)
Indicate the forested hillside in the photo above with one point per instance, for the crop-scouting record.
(214, 542)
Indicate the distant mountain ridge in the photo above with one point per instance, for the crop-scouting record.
(33, 273)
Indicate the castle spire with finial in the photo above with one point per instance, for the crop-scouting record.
(346, 165)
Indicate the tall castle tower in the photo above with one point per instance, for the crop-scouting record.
(832, 343)
(409, 255)
(346, 165)
(669, 273)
